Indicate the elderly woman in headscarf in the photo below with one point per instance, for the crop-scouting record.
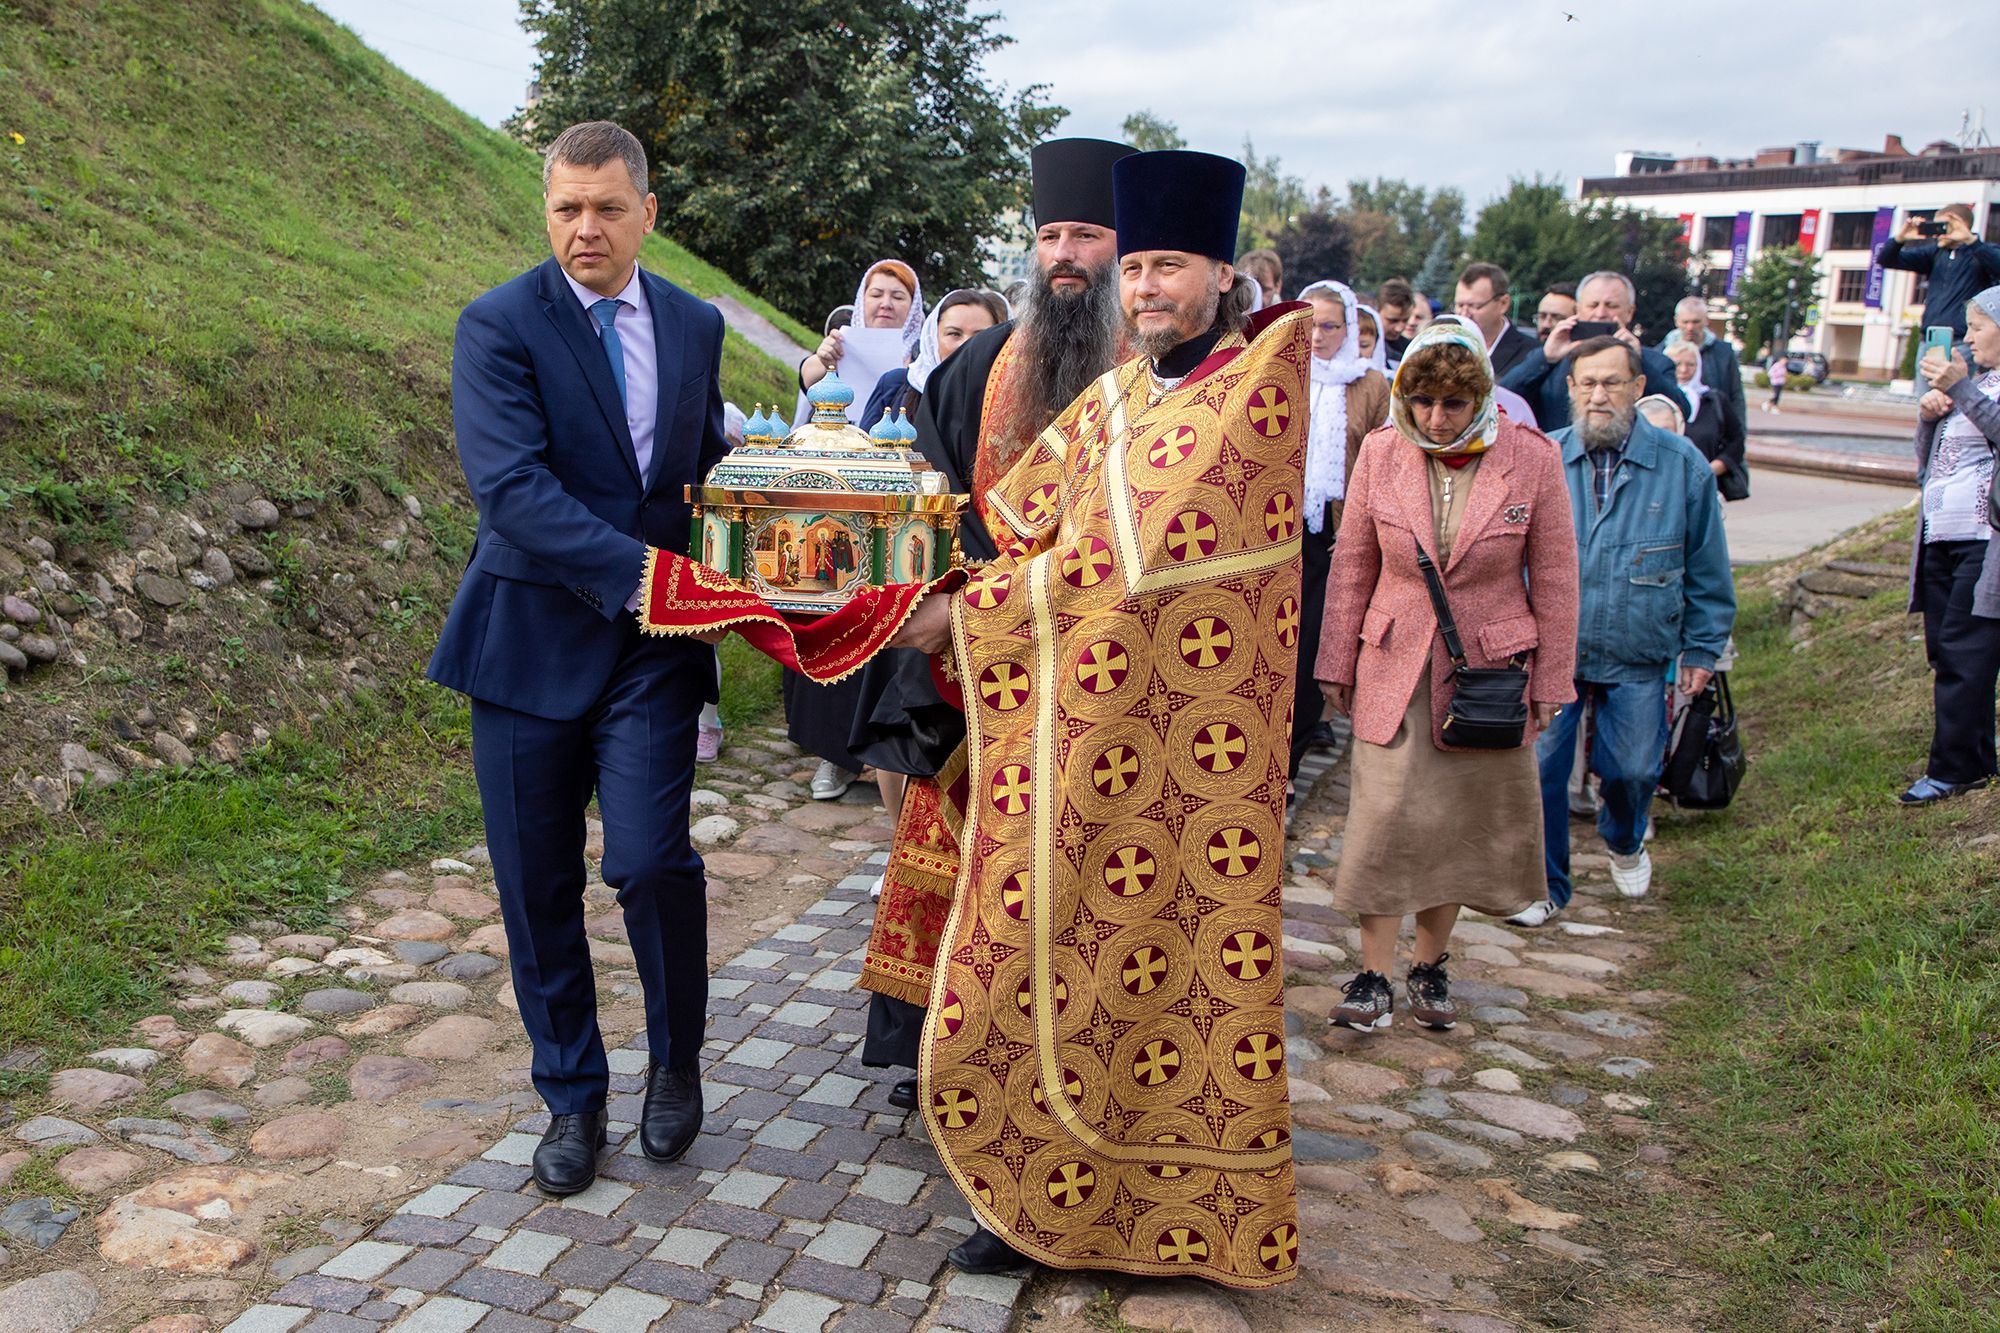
(889, 297)
(1350, 397)
(961, 313)
(1712, 423)
(1433, 827)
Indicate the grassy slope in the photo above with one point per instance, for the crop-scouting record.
(1839, 1066)
(236, 242)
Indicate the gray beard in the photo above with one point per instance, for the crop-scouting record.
(1162, 341)
(1070, 339)
(1611, 435)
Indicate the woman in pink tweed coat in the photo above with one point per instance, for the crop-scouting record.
(1434, 828)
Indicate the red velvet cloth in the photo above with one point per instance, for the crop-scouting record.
(681, 596)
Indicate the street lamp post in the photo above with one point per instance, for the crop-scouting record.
(1785, 324)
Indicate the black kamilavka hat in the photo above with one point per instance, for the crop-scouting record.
(1178, 200)
(1073, 180)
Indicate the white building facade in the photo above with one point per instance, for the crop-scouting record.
(1860, 321)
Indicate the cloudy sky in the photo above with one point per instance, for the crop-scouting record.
(1443, 92)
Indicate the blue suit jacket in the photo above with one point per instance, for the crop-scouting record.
(564, 516)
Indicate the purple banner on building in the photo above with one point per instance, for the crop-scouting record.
(1739, 251)
(1885, 219)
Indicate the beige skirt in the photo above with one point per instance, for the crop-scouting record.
(1427, 827)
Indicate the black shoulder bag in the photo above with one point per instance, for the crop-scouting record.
(1489, 705)
(1705, 760)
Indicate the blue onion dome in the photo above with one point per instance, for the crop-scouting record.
(757, 428)
(906, 430)
(775, 429)
(830, 399)
(886, 433)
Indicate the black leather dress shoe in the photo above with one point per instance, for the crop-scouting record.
(1927, 789)
(984, 1252)
(672, 1115)
(904, 1095)
(566, 1158)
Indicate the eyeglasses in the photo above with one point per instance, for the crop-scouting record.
(1474, 307)
(1589, 388)
(1423, 402)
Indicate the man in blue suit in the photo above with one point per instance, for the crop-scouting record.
(585, 396)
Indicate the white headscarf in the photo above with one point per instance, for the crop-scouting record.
(1379, 358)
(1256, 290)
(913, 325)
(929, 355)
(1695, 389)
(1326, 440)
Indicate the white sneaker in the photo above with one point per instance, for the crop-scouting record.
(1535, 914)
(831, 782)
(1632, 875)
(875, 889)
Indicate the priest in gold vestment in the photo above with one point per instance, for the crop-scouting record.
(1103, 1058)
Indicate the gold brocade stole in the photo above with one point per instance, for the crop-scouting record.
(917, 886)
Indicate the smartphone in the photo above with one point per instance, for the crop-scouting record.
(1592, 328)
(1937, 338)
(1933, 228)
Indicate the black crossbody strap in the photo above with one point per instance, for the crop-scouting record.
(1447, 626)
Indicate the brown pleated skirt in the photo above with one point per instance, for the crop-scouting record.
(1426, 827)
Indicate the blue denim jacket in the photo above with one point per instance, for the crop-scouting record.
(1655, 565)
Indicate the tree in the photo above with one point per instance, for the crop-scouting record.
(1315, 245)
(1150, 134)
(1761, 295)
(1541, 237)
(1271, 199)
(794, 143)
(1438, 277)
(1396, 225)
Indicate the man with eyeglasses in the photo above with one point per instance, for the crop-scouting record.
(1608, 300)
(1656, 592)
(1485, 296)
(1558, 303)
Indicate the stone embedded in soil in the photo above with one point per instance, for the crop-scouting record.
(1626, 1066)
(467, 966)
(377, 1078)
(457, 1037)
(37, 1222)
(97, 1170)
(10, 1162)
(255, 994)
(156, 1227)
(1312, 1145)
(1446, 1216)
(130, 1059)
(174, 1323)
(415, 924)
(431, 994)
(1524, 1212)
(285, 968)
(1437, 1150)
(308, 1134)
(1169, 1305)
(1569, 1161)
(161, 590)
(58, 1302)
(88, 1089)
(1477, 1129)
(1565, 1044)
(418, 953)
(443, 1145)
(1522, 1114)
(456, 895)
(381, 1022)
(287, 1091)
(382, 974)
(1498, 1080)
(49, 1131)
(488, 939)
(305, 946)
(317, 1051)
(202, 1106)
(335, 1002)
(264, 1028)
(358, 956)
(1608, 1023)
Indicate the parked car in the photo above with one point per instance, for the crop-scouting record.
(1801, 363)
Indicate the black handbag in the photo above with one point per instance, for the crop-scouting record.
(1489, 705)
(1734, 481)
(1705, 759)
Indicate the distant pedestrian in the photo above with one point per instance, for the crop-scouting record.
(1778, 371)
(1955, 565)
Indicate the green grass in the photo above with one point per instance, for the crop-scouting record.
(1839, 1062)
(236, 243)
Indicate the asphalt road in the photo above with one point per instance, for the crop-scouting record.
(1791, 512)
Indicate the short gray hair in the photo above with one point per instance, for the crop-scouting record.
(1692, 305)
(592, 144)
(1610, 275)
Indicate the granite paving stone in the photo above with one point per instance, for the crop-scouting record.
(621, 1310)
(682, 1284)
(444, 1314)
(418, 1230)
(323, 1293)
(580, 1225)
(797, 1312)
(751, 1261)
(495, 1208)
(428, 1270)
(731, 1220)
(513, 1291)
(853, 1285)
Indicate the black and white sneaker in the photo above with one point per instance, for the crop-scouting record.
(1368, 1004)
(1429, 990)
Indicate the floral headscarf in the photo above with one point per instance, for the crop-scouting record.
(1484, 427)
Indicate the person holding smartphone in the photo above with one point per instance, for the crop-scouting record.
(1606, 302)
(1959, 265)
(1954, 564)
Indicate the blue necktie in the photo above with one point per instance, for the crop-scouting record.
(606, 311)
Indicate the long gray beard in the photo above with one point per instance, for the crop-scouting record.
(1070, 339)
(1162, 341)
(1611, 435)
